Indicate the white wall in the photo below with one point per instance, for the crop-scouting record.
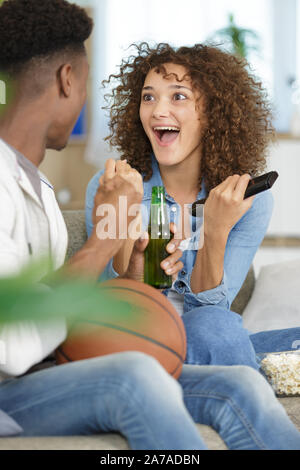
(285, 159)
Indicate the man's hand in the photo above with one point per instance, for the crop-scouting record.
(110, 181)
(123, 169)
(107, 204)
(102, 246)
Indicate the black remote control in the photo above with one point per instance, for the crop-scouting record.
(255, 186)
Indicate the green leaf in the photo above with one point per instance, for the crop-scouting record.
(6, 91)
(239, 39)
(22, 298)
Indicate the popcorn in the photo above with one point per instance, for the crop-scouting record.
(283, 372)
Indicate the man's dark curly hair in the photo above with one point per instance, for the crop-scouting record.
(33, 29)
(238, 124)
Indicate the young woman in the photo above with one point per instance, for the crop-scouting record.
(195, 121)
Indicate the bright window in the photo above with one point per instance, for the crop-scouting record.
(119, 23)
(186, 23)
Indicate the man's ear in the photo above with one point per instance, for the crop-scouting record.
(64, 79)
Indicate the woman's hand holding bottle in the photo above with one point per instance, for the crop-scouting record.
(171, 264)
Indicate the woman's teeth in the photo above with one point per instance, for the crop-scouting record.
(166, 134)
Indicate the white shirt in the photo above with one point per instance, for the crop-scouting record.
(28, 231)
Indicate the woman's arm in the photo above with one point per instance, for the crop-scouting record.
(223, 208)
(242, 244)
(209, 266)
(244, 240)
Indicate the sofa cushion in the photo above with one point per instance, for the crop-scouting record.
(75, 222)
(109, 441)
(114, 441)
(244, 294)
(275, 300)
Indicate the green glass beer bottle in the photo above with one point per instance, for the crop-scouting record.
(159, 237)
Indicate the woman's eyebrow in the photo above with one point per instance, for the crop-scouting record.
(177, 87)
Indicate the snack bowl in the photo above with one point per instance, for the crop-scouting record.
(282, 370)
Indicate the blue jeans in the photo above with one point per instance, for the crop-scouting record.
(216, 336)
(131, 393)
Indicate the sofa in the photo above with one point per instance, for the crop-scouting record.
(77, 235)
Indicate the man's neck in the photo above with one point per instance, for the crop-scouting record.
(24, 131)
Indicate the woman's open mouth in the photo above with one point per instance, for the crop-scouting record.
(166, 135)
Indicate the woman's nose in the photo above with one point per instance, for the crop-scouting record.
(161, 109)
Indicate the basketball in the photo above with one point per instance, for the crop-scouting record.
(154, 328)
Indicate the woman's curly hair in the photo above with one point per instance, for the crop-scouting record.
(237, 114)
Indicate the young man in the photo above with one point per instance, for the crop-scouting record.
(44, 57)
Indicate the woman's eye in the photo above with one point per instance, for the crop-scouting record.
(147, 98)
(179, 96)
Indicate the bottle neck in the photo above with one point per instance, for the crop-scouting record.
(158, 195)
(159, 221)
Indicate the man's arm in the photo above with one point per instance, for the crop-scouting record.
(91, 260)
